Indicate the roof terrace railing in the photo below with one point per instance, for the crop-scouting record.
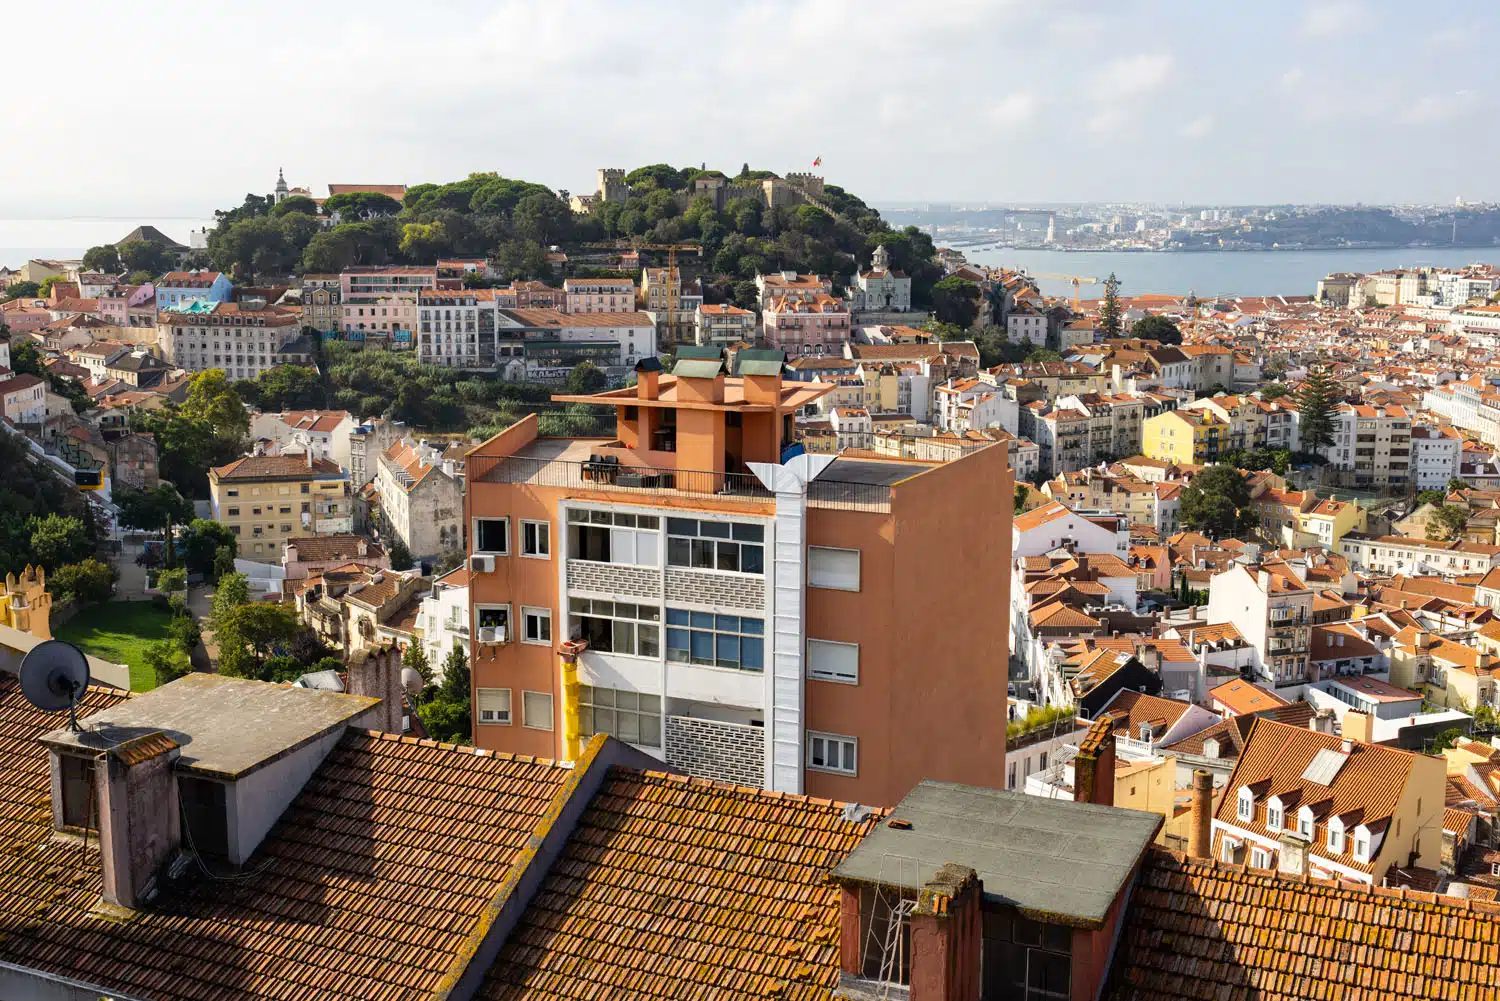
(600, 474)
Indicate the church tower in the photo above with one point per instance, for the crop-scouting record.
(281, 188)
(881, 259)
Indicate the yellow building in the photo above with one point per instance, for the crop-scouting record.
(1185, 436)
(25, 603)
(267, 499)
(1451, 675)
(1329, 521)
(1151, 787)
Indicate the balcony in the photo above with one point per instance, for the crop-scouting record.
(711, 749)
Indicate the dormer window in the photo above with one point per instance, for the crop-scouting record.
(1146, 733)
(1336, 836)
(1361, 844)
(1275, 814)
(1305, 823)
(1246, 804)
(1211, 748)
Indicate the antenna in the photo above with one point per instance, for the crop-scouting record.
(54, 676)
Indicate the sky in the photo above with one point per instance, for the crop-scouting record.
(1008, 101)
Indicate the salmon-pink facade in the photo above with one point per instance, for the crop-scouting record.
(814, 624)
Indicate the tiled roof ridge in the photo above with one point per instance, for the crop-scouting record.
(478, 752)
(751, 791)
(1168, 858)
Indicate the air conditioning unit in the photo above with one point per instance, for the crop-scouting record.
(481, 564)
(494, 635)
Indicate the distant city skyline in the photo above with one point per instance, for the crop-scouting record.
(1153, 100)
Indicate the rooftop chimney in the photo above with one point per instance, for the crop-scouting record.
(1200, 834)
(1094, 766)
(1356, 727)
(376, 673)
(139, 824)
(946, 937)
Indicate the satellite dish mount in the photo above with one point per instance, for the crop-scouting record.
(54, 676)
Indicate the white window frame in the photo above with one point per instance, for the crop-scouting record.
(540, 531)
(1246, 804)
(530, 612)
(492, 552)
(1260, 858)
(825, 675)
(839, 740)
(1361, 845)
(1275, 814)
(479, 709)
(526, 719)
(1335, 836)
(1307, 825)
(826, 584)
(1227, 848)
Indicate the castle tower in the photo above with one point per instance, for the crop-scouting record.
(25, 603)
(281, 188)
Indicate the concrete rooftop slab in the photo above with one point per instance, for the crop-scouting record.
(227, 727)
(1056, 860)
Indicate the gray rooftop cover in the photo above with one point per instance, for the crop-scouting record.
(1059, 861)
(227, 727)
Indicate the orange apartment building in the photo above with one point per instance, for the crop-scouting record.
(704, 589)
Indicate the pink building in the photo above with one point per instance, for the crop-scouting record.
(23, 316)
(818, 325)
(129, 305)
(380, 301)
(599, 295)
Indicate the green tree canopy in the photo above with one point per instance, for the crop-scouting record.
(955, 301)
(1447, 523)
(88, 582)
(1317, 404)
(587, 378)
(57, 540)
(1156, 328)
(357, 206)
(400, 555)
(1111, 316)
(143, 255)
(20, 290)
(295, 203)
(103, 258)
(1217, 503)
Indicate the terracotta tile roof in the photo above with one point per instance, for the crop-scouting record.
(278, 467)
(1365, 789)
(1241, 697)
(368, 886)
(1037, 517)
(330, 548)
(682, 888)
(1230, 734)
(1060, 615)
(1137, 708)
(1197, 930)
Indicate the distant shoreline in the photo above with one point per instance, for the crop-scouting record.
(1231, 250)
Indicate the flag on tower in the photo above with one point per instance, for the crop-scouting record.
(817, 161)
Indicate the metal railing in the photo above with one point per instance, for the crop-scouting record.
(838, 495)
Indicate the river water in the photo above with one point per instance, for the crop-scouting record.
(1218, 273)
(22, 240)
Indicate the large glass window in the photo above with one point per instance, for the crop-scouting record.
(736, 641)
(633, 717)
(614, 537)
(715, 545)
(1025, 960)
(617, 626)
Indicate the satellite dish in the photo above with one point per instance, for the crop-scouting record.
(411, 681)
(54, 676)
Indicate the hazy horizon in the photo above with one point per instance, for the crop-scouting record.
(1145, 100)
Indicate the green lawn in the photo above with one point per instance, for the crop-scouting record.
(119, 631)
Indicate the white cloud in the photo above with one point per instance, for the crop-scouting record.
(1013, 109)
(1326, 20)
(1105, 120)
(1292, 79)
(1448, 38)
(1133, 76)
(1197, 128)
(1440, 108)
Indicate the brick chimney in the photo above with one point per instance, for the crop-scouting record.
(1200, 834)
(946, 937)
(376, 672)
(140, 826)
(1094, 767)
(647, 379)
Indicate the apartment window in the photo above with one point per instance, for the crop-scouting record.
(833, 568)
(1246, 805)
(735, 641)
(1010, 776)
(492, 535)
(255, 511)
(614, 537)
(715, 545)
(634, 717)
(536, 539)
(828, 660)
(830, 752)
(495, 617)
(617, 626)
(306, 488)
(494, 706)
(232, 493)
(536, 710)
(538, 625)
(234, 512)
